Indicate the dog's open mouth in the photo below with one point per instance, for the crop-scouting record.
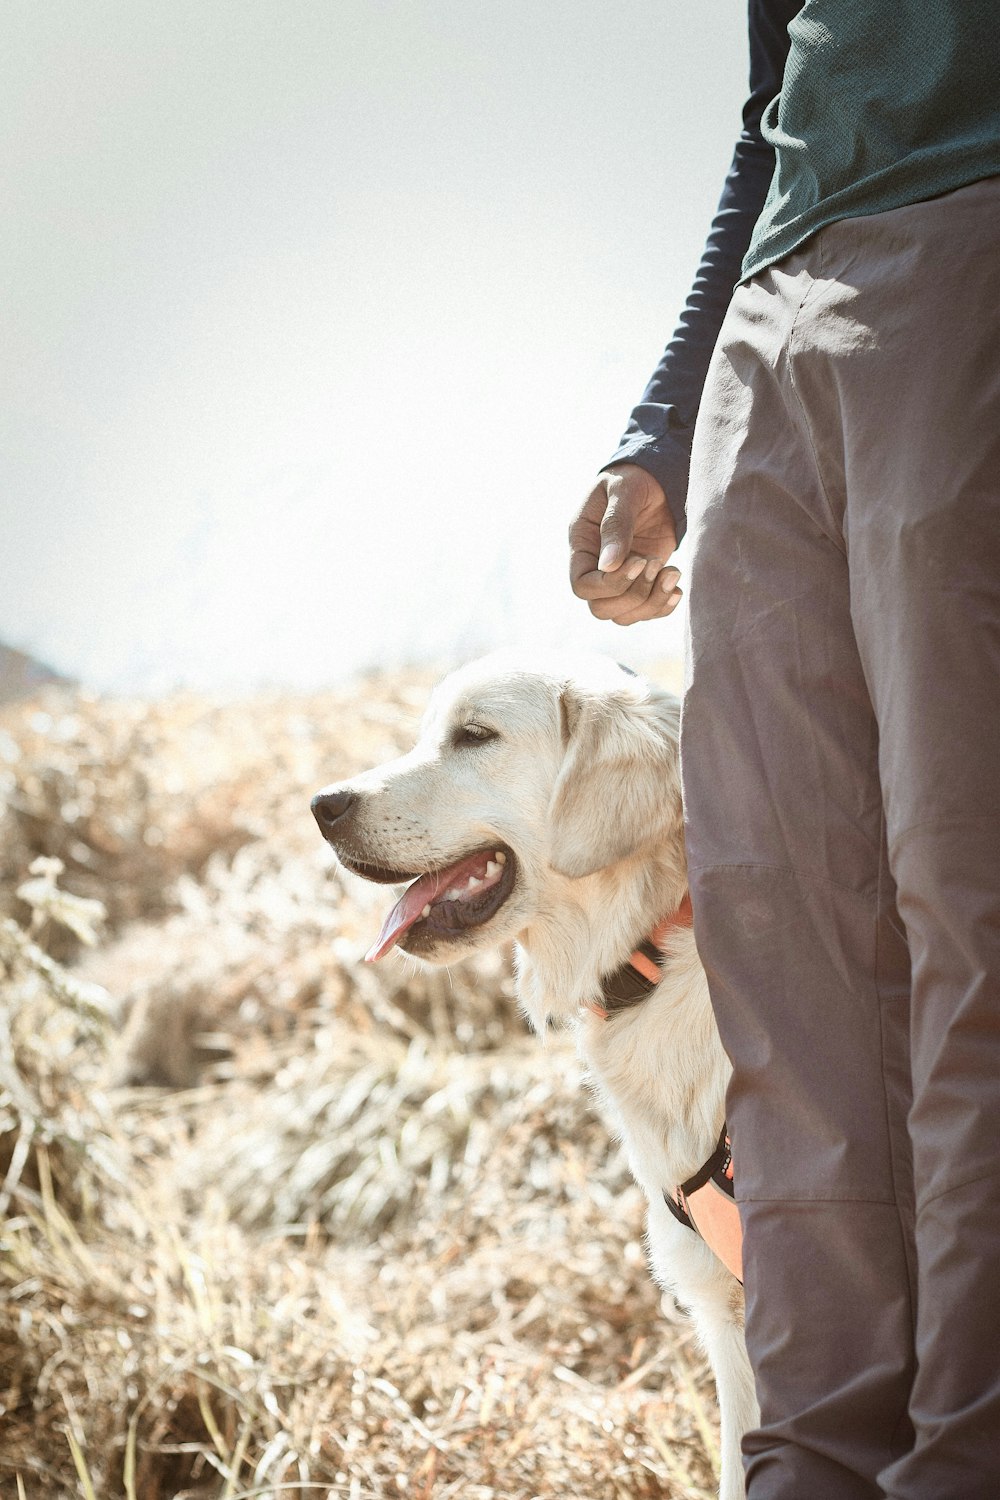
(444, 903)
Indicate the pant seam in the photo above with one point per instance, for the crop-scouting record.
(763, 864)
(788, 1202)
(956, 1187)
(904, 833)
(907, 1245)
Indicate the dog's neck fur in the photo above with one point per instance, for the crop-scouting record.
(630, 899)
(638, 1058)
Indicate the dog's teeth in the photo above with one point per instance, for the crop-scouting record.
(453, 894)
(501, 857)
(474, 884)
(492, 868)
(426, 912)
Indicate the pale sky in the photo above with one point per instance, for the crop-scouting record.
(318, 317)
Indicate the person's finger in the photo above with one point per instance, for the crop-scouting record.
(585, 535)
(582, 572)
(589, 582)
(657, 607)
(617, 529)
(642, 601)
(646, 581)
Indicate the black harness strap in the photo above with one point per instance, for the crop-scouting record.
(637, 978)
(678, 1210)
(715, 1170)
(626, 987)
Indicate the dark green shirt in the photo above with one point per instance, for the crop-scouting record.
(883, 103)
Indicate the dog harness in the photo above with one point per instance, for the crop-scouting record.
(706, 1202)
(642, 971)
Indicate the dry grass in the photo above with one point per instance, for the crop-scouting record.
(380, 1245)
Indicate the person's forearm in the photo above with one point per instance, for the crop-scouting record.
(659, 433)
(658, 436)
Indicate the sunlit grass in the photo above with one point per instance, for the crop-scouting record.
(384, 1247)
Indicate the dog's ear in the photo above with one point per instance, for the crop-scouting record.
(618, 789)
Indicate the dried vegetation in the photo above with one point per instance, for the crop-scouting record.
(373, 1241)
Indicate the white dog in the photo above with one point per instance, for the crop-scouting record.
(542, 803)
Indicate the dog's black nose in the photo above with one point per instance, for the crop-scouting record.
(329, 807)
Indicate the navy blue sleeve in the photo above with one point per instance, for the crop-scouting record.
(658, 436)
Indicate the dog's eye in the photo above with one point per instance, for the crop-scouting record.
(473, 734)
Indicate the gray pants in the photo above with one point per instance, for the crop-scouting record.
(841, 758)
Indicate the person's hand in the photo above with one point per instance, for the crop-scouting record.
(619, 546)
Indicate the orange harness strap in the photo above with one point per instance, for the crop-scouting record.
(705, 1203)
(640, 959)
(642, 971)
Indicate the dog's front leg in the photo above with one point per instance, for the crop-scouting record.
(726, 1349)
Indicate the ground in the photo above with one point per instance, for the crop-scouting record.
(279, 1223)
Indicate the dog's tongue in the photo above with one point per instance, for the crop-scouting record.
(423, 892)
(403, 915)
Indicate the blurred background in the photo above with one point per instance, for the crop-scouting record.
(319, 317)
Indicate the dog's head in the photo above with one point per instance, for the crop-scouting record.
(524, 776)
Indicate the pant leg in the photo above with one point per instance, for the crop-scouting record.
(923, 529)
(796, 922)
(873, 411)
